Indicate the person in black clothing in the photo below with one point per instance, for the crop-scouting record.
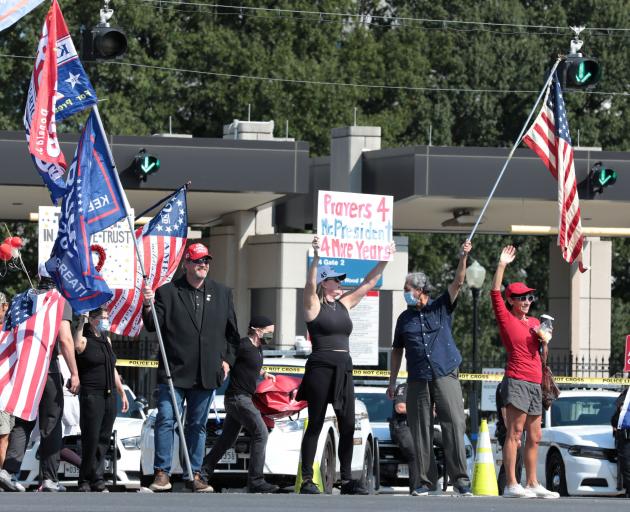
(240, 409)
(622, 443)
(99, 380)
(501, 432)
(328, 372)
(401, 435)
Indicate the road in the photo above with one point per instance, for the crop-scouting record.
(138, 502)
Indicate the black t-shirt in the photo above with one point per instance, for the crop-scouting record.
(244, 374)
(400, 397)
(96, 363)
(196, 298)
(54, 356)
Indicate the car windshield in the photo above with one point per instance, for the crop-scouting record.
(378, 405)
(134, 410)
(582, 410)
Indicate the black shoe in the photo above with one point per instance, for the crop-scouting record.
(84, 487)
(308, 487)
(353, 487)
(263, 488)
(462, 487)
(99, 486)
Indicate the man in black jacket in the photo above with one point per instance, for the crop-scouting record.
(198, 323)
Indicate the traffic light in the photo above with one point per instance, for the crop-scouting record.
(145, 164)
(103, 43)
(597, 180)
(579, 72)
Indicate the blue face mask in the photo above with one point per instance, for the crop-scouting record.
(103, 325)
(410, 299)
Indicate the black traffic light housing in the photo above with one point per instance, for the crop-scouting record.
(579, 72)
(103, 43)
(599, 177)
(145, 164)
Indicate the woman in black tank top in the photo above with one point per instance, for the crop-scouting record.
(99, 381)
(328, 372)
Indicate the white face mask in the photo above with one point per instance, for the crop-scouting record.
(103, 324)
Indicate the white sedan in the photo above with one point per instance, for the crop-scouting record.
(577, 453)
(283, 445)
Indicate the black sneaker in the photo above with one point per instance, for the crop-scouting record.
(263, 488)
(353, 487)
(308, 487)
(423, 490)
(462, 488)
(84, 487)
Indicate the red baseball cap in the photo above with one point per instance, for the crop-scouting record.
(196, 251)
(517, 289)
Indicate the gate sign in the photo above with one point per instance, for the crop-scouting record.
(626, 359)
(355, 226)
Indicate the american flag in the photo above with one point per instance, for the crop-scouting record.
(550, 139)
(26, 342)
(161, 242)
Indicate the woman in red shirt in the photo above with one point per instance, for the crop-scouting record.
(520, 390)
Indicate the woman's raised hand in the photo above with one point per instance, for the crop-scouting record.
(315, 244)
(508, 255)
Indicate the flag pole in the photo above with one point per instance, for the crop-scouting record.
(163, 200)
(167, 370)
(516, 144)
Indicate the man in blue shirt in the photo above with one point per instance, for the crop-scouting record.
(423, 331)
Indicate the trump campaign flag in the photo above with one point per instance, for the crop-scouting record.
(59, 88)
(161, 244)
(13, 10)
(26, 342)
(93, 202)
(550, 139)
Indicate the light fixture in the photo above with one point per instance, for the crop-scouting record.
(475, 275)
(462, 218)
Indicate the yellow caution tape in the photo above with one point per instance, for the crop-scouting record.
(487, 377)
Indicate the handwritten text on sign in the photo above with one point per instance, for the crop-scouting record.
(355, 226)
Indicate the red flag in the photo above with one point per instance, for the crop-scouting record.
(26, 343)
(550, 139)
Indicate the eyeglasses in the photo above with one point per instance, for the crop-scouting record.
(335, 279)
(523, 298)
(201, 261)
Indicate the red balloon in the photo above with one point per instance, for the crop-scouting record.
(5, 252)
(16, 242)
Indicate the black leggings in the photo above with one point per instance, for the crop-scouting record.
(98, 413)
(319, 382)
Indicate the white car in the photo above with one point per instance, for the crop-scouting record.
(283, 445)
(120, 471)
(577, 454)
(393, 471)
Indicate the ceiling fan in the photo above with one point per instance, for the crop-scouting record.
(462, 218)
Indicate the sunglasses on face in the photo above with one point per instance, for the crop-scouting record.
(523, 298)
(335, 279)
(201, 261)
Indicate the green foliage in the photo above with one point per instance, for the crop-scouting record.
(13, 280)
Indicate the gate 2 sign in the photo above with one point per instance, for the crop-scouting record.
(355, 226)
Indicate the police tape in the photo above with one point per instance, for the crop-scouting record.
(384, 374)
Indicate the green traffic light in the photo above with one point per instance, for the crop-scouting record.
(582, 75)
(607, 177)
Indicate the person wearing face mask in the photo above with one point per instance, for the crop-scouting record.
(423, 332)
(328, 372)
(521, 391)
(99, 382)
(240, 409)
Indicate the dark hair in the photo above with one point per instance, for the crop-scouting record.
(97, 312)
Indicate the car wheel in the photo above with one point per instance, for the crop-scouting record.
(327, 467)
(556, 477)
(367, 474)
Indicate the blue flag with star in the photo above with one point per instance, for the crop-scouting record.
(22, 307)
(94, 201)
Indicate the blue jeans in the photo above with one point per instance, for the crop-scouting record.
(197, 408)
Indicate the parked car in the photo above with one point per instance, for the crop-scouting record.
(393, 471)
(577, 453)
(120, 471)
(283, 445)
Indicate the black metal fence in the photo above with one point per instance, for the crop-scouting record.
(143, 381)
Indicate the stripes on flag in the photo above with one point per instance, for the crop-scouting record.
(549, 138)
(25, 351)
(161, 245)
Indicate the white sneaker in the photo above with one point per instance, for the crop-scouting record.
(541, 492)
(517, 491)
(50, 486)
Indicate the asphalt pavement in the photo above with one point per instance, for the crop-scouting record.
(139, 502)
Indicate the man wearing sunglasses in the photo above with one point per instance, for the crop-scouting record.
(198, 323)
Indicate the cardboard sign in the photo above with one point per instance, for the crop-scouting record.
(117, 241)
(355, 226)
(489, 390)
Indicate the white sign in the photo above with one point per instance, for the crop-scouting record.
(489, 390)
(356, 226)
(117, 241)
(364, 337)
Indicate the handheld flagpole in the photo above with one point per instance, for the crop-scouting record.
(516, 144)
(167, 370)
(187, 184)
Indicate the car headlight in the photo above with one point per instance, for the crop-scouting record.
(588, 451)
(131, 443)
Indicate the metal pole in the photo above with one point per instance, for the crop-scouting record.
(518, 141)
(474, 411)
(167, 370)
